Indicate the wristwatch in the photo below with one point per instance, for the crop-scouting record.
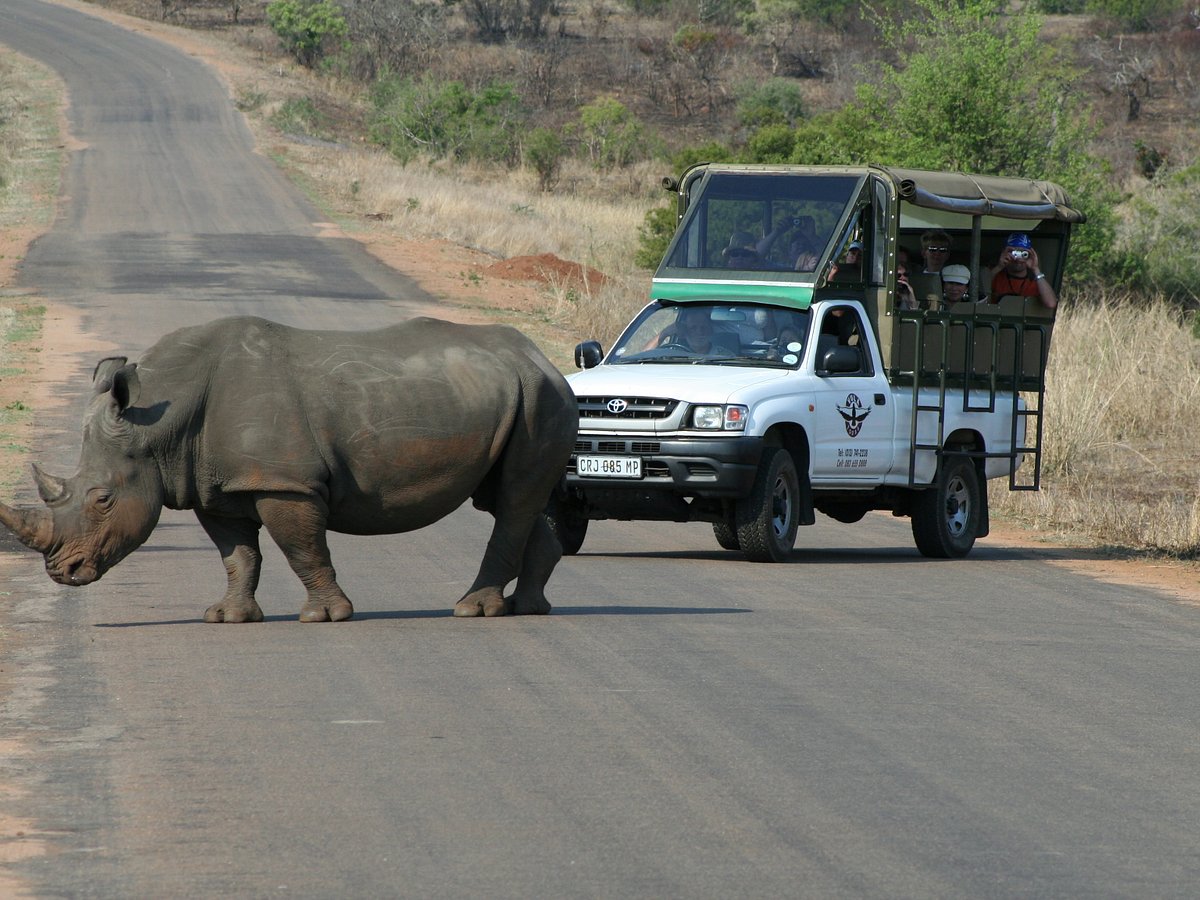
(1039, 276)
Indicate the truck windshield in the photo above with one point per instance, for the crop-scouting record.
(757, 222)
(714, 334)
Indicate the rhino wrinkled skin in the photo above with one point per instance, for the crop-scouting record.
(251, 423)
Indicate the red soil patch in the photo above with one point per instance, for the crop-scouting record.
(547, 269)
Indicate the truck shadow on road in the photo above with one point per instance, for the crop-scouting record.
(837, 555)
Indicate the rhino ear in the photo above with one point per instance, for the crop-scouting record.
(126, 386)
(102, 375)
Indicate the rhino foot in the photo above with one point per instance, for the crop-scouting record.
(334, 611)
(525, 605)
(483, 602)
(230, 612)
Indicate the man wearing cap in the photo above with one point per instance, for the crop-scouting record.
(1018, 273)
(954, 283)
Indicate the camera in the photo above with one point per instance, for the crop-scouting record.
(1019, 254)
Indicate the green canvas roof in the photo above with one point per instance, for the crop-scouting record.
(985, 195)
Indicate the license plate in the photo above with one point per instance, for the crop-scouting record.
(609, 466)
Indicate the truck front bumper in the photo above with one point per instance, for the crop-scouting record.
(692, 467)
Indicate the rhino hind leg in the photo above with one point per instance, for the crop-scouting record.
(237, 542)
(522, 544)
(542, 554)
(297, 525)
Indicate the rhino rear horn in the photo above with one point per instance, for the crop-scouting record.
(33, 527)
(50, 487)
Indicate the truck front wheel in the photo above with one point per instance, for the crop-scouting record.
(946, 518)
(768, 518)
(726, 534)
(568, 521)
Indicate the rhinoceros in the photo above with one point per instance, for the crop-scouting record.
(252, 423)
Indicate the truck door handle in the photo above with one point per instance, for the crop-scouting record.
(881, 399)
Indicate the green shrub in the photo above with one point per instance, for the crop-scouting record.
(308, 28)
(710, 152)
(771, 144)
(1061, 7)
(1135, 15)
(544, 151)
(612, 136)
(777, 101)
(654, 235)
(1154, 242)
(446, 120)
(299, 116)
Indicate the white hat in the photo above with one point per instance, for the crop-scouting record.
(855, 245)
(957, 274)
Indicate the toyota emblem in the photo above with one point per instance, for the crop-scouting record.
(618, 406)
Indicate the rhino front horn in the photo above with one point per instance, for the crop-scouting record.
(50, 488)
(33, 527)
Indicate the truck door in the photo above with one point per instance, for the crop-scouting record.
(854, 414)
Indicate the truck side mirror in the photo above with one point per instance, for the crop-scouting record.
(840, 360)
(588, 354)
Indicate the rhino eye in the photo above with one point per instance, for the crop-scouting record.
(101, 497)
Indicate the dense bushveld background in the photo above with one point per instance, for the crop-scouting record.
(531, 126)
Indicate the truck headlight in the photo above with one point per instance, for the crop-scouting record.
(715, 418)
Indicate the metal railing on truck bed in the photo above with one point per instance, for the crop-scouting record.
(997, 350)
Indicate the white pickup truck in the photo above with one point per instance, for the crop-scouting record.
(770, 379)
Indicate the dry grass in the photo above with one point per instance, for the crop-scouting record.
(1119, 465)
(500, 213)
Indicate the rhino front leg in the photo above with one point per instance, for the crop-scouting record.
(237, 542)
(297, 525)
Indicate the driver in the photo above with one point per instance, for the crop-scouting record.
(693, 330)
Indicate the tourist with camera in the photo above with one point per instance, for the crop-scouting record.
(1018, 273)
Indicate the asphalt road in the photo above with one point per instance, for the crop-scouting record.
(860, 722)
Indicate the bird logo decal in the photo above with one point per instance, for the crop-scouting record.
(854, 413)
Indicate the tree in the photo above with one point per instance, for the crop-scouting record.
(974, 89)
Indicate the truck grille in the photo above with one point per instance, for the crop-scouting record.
(637, 448)
(633, 408)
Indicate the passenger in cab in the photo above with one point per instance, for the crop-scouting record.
(804, 248)
(1019, 273)
(741, 252)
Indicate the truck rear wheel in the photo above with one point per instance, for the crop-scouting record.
(568, 522)
(768, 518)
(946, 518)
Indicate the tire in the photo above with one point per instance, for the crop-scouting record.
(767, 520)
(726, 534)
(946, 518)
(568, 522)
